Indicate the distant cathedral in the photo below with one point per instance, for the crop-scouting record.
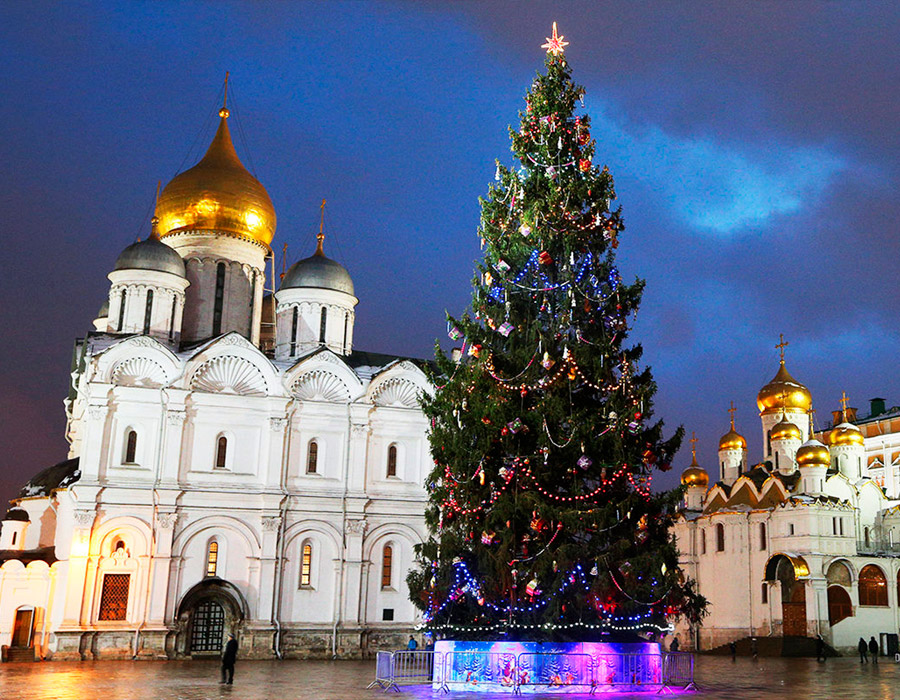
(235, 463)
(807, 541)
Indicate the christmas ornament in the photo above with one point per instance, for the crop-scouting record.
(525, 230)
(515, 425)
(455, 333)
(547, 362)
(502, 266)
(545, 258)
(532, 588)
(584, 165)
(505, 329)
(487, 537)
(584, 461)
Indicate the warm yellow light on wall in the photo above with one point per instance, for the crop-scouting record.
(80, 545)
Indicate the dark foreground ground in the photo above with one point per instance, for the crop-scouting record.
(718, 677)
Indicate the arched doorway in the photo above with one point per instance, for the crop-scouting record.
(209, 612)
(791, 571)
(839, 580)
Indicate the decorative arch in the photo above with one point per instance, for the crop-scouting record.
(389, 530)
(322, 373)
(134, 531)
(141, 361)
(320, 385)
(229, 374)
(400, 384)
(212, 523)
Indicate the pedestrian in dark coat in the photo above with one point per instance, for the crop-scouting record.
(863, 649)
(673, 646)
(228, 659)
(732, 647)
(820, 648)
(873, 650)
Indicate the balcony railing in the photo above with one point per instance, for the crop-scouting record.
(877, 547)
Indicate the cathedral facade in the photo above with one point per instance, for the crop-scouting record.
(236, 465)
(805, 542)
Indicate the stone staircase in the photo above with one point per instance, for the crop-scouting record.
(775, 646)
(17, 654)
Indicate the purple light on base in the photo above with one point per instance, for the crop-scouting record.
(533, 667)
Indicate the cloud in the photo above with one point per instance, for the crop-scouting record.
(717, 187)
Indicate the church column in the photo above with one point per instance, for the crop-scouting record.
(170, 456)
(160, 568)
(259, 279)
(93, 441)
(271, 524)
(77, 590)
(355, 531)
(817, 607)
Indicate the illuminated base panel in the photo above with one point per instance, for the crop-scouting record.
(531, 667)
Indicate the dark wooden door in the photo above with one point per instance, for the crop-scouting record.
(207, 627)
(794, 612)
(21, 636)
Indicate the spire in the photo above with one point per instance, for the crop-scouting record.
(694, 442)
(224, 113)
(731, 411)
(154, 220)
(844, 401)
(320, 238)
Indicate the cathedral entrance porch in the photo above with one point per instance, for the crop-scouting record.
(208, 613)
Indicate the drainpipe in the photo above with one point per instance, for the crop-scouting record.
(340, 605)
(280, 544)
(163, 406)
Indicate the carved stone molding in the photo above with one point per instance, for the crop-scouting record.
(277, 423)
(166, 520)
(357, 527)
(84, 518)
(98, 412)
(270, 523)
(175, 417)
(358, 430)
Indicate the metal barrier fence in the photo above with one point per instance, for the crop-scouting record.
(555, 670)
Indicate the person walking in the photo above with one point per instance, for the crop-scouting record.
(412, 644)
(228, 659)
(674, 645)
(863, 649)
(732, 647)
(820, 648)
(754, 648)
(873, 649)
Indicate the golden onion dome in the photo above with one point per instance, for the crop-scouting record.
(785, 430)
(783, 393)
(813, 454)
(695, 476)
(217, 194)
(845, 434)
(732, 440)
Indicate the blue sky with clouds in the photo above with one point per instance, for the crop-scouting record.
(754, 147)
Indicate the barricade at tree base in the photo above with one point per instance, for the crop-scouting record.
(530, 667)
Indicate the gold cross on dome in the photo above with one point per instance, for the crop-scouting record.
(555, 44)
(844, 401)
(694, 442)
(782, 345)
(731, 411)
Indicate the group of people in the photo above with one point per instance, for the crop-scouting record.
(871, 648)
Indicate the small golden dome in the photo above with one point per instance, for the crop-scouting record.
(732, 440)
(695, 476)
(813, 454)
(845, 434)
(785, 430)
(217, 194)
(783, 393)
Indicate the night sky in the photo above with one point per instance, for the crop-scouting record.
(754, 145)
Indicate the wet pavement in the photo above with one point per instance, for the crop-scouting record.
(718, 677)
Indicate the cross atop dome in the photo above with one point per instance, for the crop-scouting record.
(781, 346)
(555, 44)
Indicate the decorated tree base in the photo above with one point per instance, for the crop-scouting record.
(531, 667)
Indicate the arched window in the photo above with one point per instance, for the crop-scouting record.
(172, 317)
(702, 541)
(294, 318)
(839, 605)
(221, 452)
(392, 461)
(762, 535)
(312, 457)
(306, 565)
(387, 561)
(121, 311)
(838, 574)
(212, 558)
(720, 538)
(148, 311)
(130, 446)
(765, 593)
(769, 443)
(219, 299)
(323, 321)
(872, 586)
(346, 323)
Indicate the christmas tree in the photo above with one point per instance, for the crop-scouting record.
(544, 524)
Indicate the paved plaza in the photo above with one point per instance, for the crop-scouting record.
(795, 679)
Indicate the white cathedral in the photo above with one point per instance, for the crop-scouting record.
(235, 463)
(807, 541)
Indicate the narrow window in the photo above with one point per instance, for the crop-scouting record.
(219, 299)
(323, 321)
(148, 311)
(312, 457)
(791, 528)
(776, 460)
(114, 597)
(702, 541)
(387, 560)
(130, 447)
(765, 593)
(720, 538)
(212, 558)
(841, 526)
(121, 311)
(14, 538)
(866, 536)
(294, 316)
(221, 452)
(172, 317)
(762, 536)
(306, 566)
(392, 461)
(769, 443)
(346, 323)
(834, 526)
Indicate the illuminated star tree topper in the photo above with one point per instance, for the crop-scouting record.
(555, 44)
